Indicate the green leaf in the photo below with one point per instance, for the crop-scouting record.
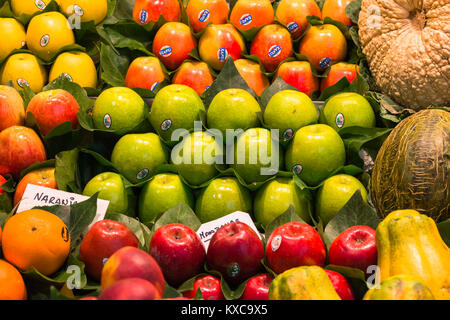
(66, 171)
(113, 66)
(356, 212)
(181, 213)
(352, 10)
(6, 206)
(444, 230)
(141, 231)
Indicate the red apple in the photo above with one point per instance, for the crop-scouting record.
(335, 9)
(340, 284)
(21, 147)
(145, 11)
(257, 287)
(52, 108)
(299, 75)
(2, 181)
(103, 239)
(44, 177)
(145, 72)
(252, 74)
(210, 287)
(218, 42)
(235, 250)
(179, 252)
(203, 12)
(172, 44)
(131, 262)
(323, 45)
(293, 13)
(247, 14)
(131, 289)
(294, 244)
(272, 44)
(12, 110)
(194, 74)
(89, 298)
(337, 72)
(354, 248)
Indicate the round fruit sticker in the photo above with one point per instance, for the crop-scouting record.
(274, 51)
(40, 4)
(65, 234)
(222, 54)
(104, 260)
(45, 40)
(297, 169)
(245, 19)
(165, 51)
(203, 15)
(166, 124)
(288, 134)
(67, 76)
(233, 269)
(325, 62)
(78, 11)
(292, 26)
(276, 243)
(142, 174)
(143, 16)
(340, 120)
(107, 121)
(22, 82)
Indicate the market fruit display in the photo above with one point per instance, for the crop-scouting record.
(416, 41)
(223, 150)
(415, 156)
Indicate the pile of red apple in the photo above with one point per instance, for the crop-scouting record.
(235, 255)
(263, 39)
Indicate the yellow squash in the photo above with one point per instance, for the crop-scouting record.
(409, 243)
(400, 287)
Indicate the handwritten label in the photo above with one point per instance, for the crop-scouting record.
(207, 230)
(38, 196)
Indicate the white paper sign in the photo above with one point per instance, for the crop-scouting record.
(207, 230)
(38, 196)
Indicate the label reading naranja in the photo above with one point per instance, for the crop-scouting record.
(207, 230)
(38, 196)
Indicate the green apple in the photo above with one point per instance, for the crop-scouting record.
(222, 196)
(163, 192)
(120, 109)
(275, 197)
(110, 187)
(175, 106)
(288, 111)
(195, 157)
(314, 153)
(233, 109)
(346, 110)
(138, 155)
(334, 194)
(257, 155)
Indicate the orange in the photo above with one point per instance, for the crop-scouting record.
(36, 238)
(44, 177)
(12, 286)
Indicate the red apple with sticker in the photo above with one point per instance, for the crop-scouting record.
(146, 11)
(294, 244)
(293, 13)
(299, 75)
(210, 287)
(252, 74)
(235, 250)
(21, 147)
(272, 44)
(257, 287)
(52, 108)
(194, 74)
(340, 284)
(146, 73)
(103, 239)
(323, 45)
(172, 44)
(337, 72)
(177, 243)
(248, 14)
(12, 110)
(203, 12)
(218, 42)
(354, 248)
